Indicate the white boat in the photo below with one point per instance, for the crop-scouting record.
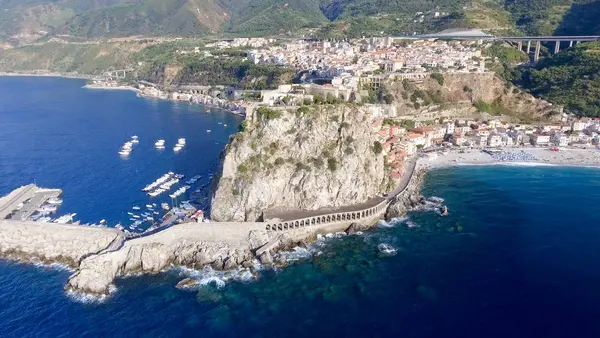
(148, 206)
(47, 208)
(156, 213)
(130, 213)
(181, 141)
(135, 207)
(208, 130)
(55, 200)
(124, 152)
(134, 139)
(165, 205)
(128, 145)
(102, 221)
(177, 148)
(224, 125)
(136, 216)
(45, 219)
(65, 219)
(159, 144)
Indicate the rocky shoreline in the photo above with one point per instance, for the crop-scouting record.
(100, 255)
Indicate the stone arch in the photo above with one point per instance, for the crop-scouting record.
(338, 217)
(328, 218)
(268, 227)
(353, 216)
(312, 221)
(280, 226)
(297, 224)
(318, 220)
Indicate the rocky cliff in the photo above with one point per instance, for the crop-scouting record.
(311, 158)
(221, 245)
(463, 93)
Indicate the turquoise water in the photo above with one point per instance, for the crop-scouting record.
(516, 257)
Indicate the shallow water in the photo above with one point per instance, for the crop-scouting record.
(516, 257)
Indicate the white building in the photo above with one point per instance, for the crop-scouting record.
(450, 128)
(559, 139)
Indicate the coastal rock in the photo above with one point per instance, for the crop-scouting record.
(187, 283)
(408, 199)
(353, 229)
(320, 157)
(266, 259)
(67, 244)
(183, 244)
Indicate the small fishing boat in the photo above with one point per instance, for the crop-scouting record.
(135, 207)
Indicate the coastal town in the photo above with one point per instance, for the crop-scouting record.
(350, 70)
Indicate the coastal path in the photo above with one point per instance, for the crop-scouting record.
(371, 209)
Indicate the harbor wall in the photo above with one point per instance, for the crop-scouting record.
(51, 243)
(223, 246)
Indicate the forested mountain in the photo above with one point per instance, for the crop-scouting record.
(30, 20)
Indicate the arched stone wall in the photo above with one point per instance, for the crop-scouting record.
(326, 219)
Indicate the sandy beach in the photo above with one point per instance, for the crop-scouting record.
(568, 157)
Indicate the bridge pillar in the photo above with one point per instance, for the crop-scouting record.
(557, 47)
(528, 47)
(570, 43)
(538, 46)
(520, 45)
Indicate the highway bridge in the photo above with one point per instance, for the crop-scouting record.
(532, 44)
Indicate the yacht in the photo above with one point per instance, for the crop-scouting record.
(148, 206)
(55, 200)
(124, 152)
(177, 148)
(181, 141)
(160, 143)
(134, 139)
(136, 216)
(130, 213)
(165, 205)
(208, 130)
(135, 207)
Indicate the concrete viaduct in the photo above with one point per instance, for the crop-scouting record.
(532, 42)
(557, 40)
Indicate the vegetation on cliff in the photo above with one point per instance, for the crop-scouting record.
(315, 157)
(570, 78)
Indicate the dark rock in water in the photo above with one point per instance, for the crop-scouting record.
(353, 229)
(247, 264)
(266, 258)
(386, 249)
(187, 283)
(444, 211)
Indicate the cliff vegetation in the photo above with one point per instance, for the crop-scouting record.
(306, 159)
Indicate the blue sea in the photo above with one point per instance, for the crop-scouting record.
(516, 257)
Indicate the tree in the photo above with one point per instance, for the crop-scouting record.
(377, 147)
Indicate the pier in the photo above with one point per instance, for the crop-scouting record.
(24, 201)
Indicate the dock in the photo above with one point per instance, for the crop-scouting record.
(31, 197)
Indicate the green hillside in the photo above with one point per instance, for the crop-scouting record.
(570, 78)
(26, 21)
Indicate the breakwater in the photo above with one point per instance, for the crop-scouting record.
(99, 255)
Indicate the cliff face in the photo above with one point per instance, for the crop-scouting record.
(315, 158)
(459, 92)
